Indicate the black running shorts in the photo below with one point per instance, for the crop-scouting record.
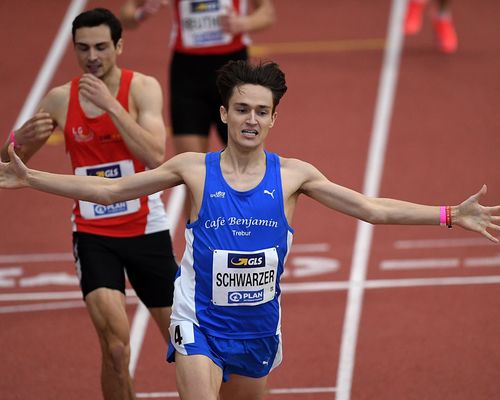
(147, 260)
(194, 99)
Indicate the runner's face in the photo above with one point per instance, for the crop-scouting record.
(249, 116)
(95, 51)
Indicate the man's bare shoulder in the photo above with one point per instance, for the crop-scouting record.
(295, 173)
(294, 165)
(143, 81)
(56, 101)
(188, 161)
(146, 92)
(60, 91)
(57, 97)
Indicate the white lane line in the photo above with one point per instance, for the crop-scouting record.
(138, 328)
(141, 317)
(482, 261)
(315, 287)
(43, 296)
(36, 257)
(59, 305)
(441, 243)
(8, 276)
(50, 64)
(174, 211)
(419, 282)
(310, 248)
(288, 288)
(373, 173)
(278, 391)
(420, 263)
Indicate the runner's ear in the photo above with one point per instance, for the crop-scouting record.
(223, 114)
(273, 119)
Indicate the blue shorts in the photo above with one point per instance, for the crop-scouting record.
(254, 358)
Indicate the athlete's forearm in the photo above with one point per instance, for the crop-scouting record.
(89, 188)
(262, 18)
(101, 190)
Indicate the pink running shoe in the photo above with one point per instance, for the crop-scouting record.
(446, 36)
(413, 18)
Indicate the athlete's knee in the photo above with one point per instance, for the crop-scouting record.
(117, 356)
(116, 350)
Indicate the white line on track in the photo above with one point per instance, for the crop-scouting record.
(36, 257)
(441, 243)
(310, 248)
(373, 172)
(482, 261)
(288, 288)
(311, 390)
(420, 263)
(50, 64)
(140, 321)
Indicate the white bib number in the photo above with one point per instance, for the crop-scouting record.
(200, 25)
(244, 278)
(117, 169)
(181, 333)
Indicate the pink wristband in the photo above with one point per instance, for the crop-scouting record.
(12, 139)
(442, 216)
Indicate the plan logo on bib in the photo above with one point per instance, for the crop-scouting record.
(246, 296)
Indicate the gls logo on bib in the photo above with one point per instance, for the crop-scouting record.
(236, 260)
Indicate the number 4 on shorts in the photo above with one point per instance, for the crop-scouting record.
(177, 335)
(181, 333)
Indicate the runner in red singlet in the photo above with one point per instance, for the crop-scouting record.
(113, 127)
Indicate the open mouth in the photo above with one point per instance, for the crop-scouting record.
(249, 132)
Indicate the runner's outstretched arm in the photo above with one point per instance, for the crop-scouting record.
(16, 175)
(469, 214)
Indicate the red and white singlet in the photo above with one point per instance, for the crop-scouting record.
(97, 148)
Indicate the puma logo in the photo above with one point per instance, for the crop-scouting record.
(269, 193)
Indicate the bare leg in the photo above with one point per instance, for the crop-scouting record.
(198, 377)
(243, 388)
(107, 311)
(161, 315)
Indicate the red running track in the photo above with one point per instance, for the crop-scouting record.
(428, 323)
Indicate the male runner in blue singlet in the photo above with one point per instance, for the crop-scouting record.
(226, 314)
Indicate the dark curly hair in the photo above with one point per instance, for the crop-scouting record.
(240, 72)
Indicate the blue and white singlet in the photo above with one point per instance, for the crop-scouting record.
(228, 281)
